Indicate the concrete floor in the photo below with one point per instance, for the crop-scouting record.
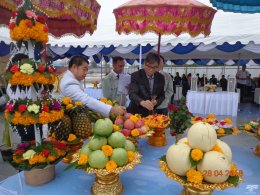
(246, 111)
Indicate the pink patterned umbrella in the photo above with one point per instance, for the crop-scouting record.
(164, 17)
(75, 17)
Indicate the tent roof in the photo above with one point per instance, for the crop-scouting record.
(226, 27)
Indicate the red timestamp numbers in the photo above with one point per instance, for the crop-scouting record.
(218, 173)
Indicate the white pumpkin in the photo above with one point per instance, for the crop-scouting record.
(226, 149)
(177, 158)
(183, 140)
(202, 136)
(215, 167)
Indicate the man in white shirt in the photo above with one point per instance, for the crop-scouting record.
(168, 89)
(241, 77)
(114, 82)
(70, 86)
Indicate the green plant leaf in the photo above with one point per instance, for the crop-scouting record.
(163, 158)
(233, 180)
(72, 166)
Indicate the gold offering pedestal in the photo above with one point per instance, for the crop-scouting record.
(235, 130)
(73, 152)
(37, 177)
(191, 188)
(257, 148)
(108, 182)
(158, 138)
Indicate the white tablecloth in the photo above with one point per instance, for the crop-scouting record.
(257, 96)
(219, 103)
(94, 92)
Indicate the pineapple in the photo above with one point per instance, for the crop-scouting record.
(63, 128)
(81, 125)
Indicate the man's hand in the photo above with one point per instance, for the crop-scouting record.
(147, 104)
(118, 110)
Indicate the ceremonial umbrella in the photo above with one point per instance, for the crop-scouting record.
(241, 6)
(164, 17)
(74, 17)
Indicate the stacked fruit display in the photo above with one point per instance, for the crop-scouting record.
(132, 126)
(201, 158)
(106, 150)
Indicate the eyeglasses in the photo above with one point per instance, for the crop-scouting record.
(151, 67)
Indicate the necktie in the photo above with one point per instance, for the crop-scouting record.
(117, 76)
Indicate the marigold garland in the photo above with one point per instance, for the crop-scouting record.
(23, 31)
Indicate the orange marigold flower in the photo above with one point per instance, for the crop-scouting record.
(131, 156)
(111, 165)
(108, 150)
(83, 159)
(135, 133)
(194, 176)
(217, 149)
(72, 137)
(116, 128)
(196, 154)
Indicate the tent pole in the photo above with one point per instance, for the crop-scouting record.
(140, 57)
(101, 63)
(159, 44)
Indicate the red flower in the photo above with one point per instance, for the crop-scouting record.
(45, 152)
(12, 25)
(29, 24)
(211, 123)
(41, 19)
(14, 68)
(10, 107)
(45, 28)
(22, 108)
(50, 70)
(222, 123)
(60, 145)
(46, 108)
(172, 107)
(33, 142)
(198, 118)
(19, 152)
(14, 14)
(41, 68)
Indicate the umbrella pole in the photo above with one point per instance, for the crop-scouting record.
(159, 44)
(140, 57)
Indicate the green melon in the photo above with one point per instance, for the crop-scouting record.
(120, 156)
(129, 146)
(97, 142)
(117, 140)
(97, 159)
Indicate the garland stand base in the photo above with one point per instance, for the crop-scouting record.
(37, 177)
(158, 138)
(107, 184)
(193, 191)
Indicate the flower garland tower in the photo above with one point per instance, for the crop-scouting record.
(30, 82)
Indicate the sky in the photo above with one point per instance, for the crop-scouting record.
(225, 24)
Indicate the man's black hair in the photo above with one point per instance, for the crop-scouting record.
(78, 60)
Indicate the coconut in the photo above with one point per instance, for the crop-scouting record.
(201, 135)
(226, 149)
(215, 167)
(177, 158)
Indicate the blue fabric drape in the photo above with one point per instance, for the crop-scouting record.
(226, 47)
(238, 6)
(180, 49)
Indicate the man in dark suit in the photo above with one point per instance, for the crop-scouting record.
(146, 90)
